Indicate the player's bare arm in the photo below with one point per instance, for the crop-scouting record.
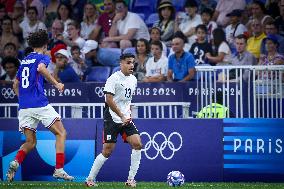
(16, 86)
(42, 69)
(110, 102)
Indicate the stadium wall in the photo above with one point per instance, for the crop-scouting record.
(203, 149)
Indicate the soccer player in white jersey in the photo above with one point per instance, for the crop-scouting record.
(34, 105)
(118, 91)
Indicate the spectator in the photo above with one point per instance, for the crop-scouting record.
(11, 66)
(127, 27)
(64, 72)
(78, 63)
(64, 14)
(31, 24)
(142, 56)
(78, 6)
(156, 66)
(272, 57)
(188, 24)
(2, 11)
(18, 16)
(50, 13)
(166, 13)
(201, 46)
(37, 4)
(7, 34)
(223, 50)
(258, 12)
(224, 7)
(270, 28)
(10, 49)
(254, 42)
(104, 21)
(235, 28)
(57, 30)
(206, 17)
(279, 21)
(89, 20)
(89, 50)
(8, 6)
(73, 30)
(242, 56)
(155, 35)
(181, 63)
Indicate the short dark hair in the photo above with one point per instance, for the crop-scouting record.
(10, 59)
(126, 55)
(190, 3)
(75, 47)
(10, 44)
(242, 36)
(271, 22)
(180, 35)
(38, 39)
(28, 50)
(32, 8)
(207, 11)
(121, 1)
(75, 24)
(201, 27)
(157, 43)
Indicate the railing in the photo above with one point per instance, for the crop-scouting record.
(95, 110)
(262, 86)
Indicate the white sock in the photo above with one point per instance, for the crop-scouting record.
(135, 162)
(98, 163)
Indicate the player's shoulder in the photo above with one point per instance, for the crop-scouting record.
(132, 77)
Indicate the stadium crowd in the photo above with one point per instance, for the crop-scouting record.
(167, 42)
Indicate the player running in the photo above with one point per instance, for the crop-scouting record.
(34, 105)
(118, 91)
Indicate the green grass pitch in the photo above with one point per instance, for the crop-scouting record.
(144, 185)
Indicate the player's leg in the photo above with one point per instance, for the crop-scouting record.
(29, 144)
(110, 133)
(60, 133)
(133, 138)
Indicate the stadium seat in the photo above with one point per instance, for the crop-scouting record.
(99, 74)
(142, 15)
(115, 69)
(154, 17)
(178, 4)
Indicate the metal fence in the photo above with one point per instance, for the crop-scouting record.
(259, 90)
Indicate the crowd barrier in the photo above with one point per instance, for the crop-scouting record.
(203, 149)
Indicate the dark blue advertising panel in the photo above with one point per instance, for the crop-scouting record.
(193, 147)
(253, 149)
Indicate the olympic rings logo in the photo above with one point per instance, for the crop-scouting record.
(99, 91)
(8, 93)
(160, 148)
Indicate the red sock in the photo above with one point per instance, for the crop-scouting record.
(59, 160)
(20, 156)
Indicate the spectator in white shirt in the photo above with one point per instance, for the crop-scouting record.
(89, 20)
(156, 66)
(127, 27)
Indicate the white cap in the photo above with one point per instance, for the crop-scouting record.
(64, 52)
(89, 45)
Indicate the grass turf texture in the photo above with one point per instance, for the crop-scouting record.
(144, 185)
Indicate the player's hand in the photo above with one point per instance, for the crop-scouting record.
(60, 87)
(125, 121)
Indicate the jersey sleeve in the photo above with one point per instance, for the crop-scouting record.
(45, 60)
(110, 85)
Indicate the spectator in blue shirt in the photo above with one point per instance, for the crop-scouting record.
(63, 71)
(181, 63)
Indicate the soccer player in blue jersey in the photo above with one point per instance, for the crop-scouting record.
(34, 106)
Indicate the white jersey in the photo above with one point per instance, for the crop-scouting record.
(121, 87)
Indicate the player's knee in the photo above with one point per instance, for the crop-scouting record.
(107, 152)
(31, 143)
(137, 146)
(62, 133)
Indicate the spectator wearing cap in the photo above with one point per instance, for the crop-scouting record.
(155, 35)
(181, 63)
(224, 7)
(272, 57)
(187, 25)
(166, 13)
(11, 66)
(235, 27)
(254, 42)
(206, 17)
(89, 51)
(104, 22)
(127, 27)
(270, 28)
(64, 72)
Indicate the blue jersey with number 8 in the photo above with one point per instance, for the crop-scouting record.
(31, 89)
